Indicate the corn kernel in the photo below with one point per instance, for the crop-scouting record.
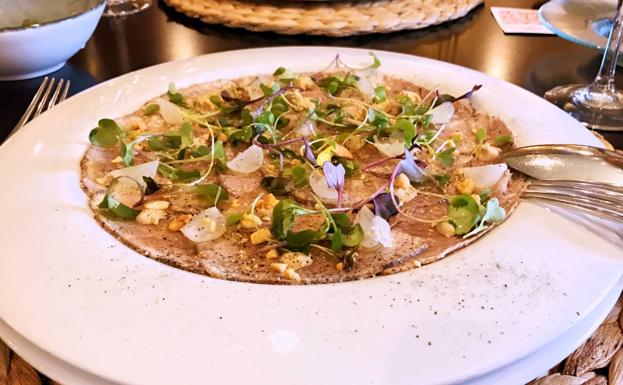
(402, 181)
(222, 137)
(260, 236)
(304, 82)
(250, 221)
(178, 222)
(150, 216)
(117, 160)
(342, 152)
(103, 181)
(291, 275)
(279, 267)
(445, 229)
(487, 152)
(466, 186)
(272, 254)
(339, 266)
(158, 205)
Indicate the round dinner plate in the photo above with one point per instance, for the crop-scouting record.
(78, 294)
(583, 22)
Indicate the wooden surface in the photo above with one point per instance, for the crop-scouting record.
(118, 46)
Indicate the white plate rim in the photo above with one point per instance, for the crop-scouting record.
(324, 50)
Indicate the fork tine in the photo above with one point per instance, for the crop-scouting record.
(64, 94)
(57, 91)
(585, 204)
(31, 106)
(579, 184)
(44, 98)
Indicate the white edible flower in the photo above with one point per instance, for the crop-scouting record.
(376, 230)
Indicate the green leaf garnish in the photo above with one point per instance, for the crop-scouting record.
(303, 239)
(298, 174)
(376, 63)
(493, 213)
(106, 134)
(445, 157)
(127, 153)
(442, 179)
(186, 134)
(464, 213)
(117, 208)
(407, 128)
(232, 219)
(354, 237)
(279, 71)
(283, 217)
(177, 174)
(151, 109)
(380, 94)
(174, 96)
(274, 184)
(269, 91)
(219, 155)
(502, 140)
(481, 135)
(336, 240)
(213, 193)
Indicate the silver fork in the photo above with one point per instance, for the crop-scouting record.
(43, 100)
(600, 199)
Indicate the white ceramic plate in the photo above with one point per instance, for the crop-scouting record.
(583, 22)
(75, 292)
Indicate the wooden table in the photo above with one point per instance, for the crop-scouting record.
(536, 63)
(120, 45)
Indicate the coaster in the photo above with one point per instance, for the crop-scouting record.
(344, 18)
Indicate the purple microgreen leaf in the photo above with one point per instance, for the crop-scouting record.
(384, 205)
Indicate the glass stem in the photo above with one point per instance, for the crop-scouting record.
(604, 82)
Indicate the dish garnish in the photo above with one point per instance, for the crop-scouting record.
(342, 174)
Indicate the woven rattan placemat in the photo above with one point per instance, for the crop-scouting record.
(342, 18)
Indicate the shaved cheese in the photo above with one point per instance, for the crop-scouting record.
(205, 226)
(369, 79)
(443, 113)
(485, 176)
(376, 230)
(137, 172)
(319, 186)
(170, 112)
(392, 146)
(248, 161)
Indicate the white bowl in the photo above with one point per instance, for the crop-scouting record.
(62, 28)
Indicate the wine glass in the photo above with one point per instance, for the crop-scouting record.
(125, 7)
(598, 105)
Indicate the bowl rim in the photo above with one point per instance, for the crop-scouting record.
(98, 4)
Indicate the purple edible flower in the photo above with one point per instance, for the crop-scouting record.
(309, 153)
(411, 169)
(334, 176)
(384, 205)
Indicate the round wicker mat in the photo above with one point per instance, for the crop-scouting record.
(325, 18)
